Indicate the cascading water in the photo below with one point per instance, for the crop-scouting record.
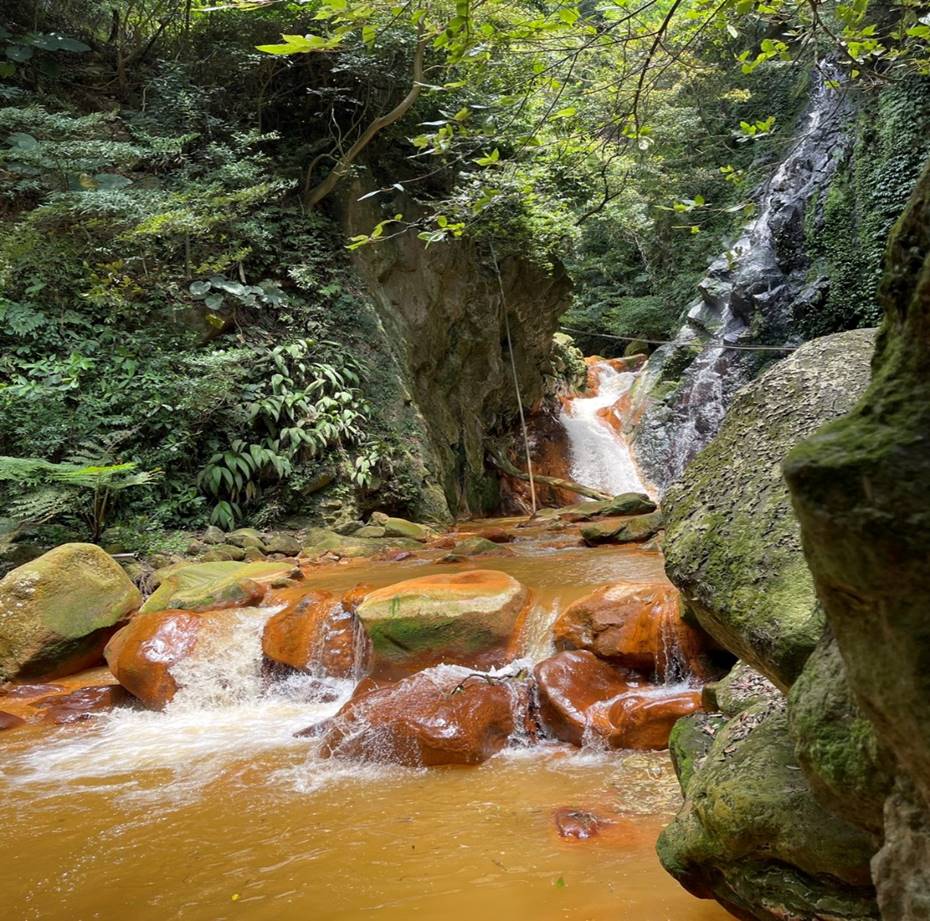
(600, 455)
(753, 291)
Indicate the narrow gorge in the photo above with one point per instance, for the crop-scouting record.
(464, 459)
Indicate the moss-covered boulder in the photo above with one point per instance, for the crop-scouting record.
(738, 690)
(753, 836)
(467, 618)
(628, 503)
(56, 612)
(732, 544)
(860, 487)
(211, 586)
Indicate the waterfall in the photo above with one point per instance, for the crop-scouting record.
(600, 455)
(750, 292)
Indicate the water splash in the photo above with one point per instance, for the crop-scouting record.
(600, 456)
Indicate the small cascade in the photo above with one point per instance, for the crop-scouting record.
(751, 292)
(600, 455)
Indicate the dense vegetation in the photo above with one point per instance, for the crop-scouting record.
(182, 336)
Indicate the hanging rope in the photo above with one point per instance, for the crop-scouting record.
(516, 383)
(710, 342)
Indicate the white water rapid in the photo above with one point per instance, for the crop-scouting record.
(600, 455)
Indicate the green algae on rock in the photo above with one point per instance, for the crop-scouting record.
(732, 544)
(633, 530)
(56, 611)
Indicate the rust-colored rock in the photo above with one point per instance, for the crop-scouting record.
(496, 535)
(644, 719)
(636, 625)
(582, 698)
(9, 721)
(26, 691)
(84, 703)
(318, 634)
(570, 684)
(142, 654)
(576, 824)
(444, 715)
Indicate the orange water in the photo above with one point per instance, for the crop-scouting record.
(213, 810)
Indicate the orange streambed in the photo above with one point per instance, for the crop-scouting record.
(213, 810)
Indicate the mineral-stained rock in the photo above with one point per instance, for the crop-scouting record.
(583, 699)
(636, 625)
(142, 654)
(443, 715)
(467, 618)
(317, 633)
(9, 720)
(83, 703)
(57, 611)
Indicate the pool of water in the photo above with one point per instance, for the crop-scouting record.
(214, 810)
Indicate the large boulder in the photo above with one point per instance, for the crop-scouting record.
(860, 487)
(443, 715)
(636, 625)
(635, 530)
(732, 544)
(57, 611)
(469, 618)
(213, 586)
(752, 834)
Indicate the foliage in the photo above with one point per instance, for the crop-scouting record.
(42, 490)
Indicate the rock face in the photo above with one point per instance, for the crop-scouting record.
(440, 308)
(733, 546)
(318, 633)
(142, 654)
(468, 618)
(444, 715)
(636, 625)
(57, 611)
(860, 488)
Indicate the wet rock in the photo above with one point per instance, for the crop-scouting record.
(319, 633)
(637, 529)
(753, 836)
(57, 611)
(142, 654)
(444, 715)
(467, 618)
(212, 586)
(636, 625)
(446, 542)
(9, 721)
(583, 699)
(576, 823)
(569, 685)
(732, 544)
(83, 704)
(27, 691)
(480, 546)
